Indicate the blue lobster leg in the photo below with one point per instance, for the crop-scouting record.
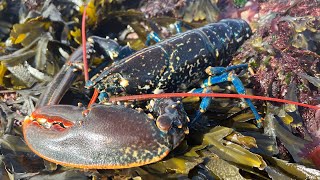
(219, 70)
(177, 27)
(156, 38)
(204, 104)
(152, 36)
(241, 90)
(224, 77)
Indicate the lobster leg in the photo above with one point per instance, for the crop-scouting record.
(224, 77)
(177, 27)
(241, 90)
(219, 70)
(152, 36)
(156, 38)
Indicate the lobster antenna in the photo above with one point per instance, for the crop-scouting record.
(84, 56)
(84, 47)
(94, 97)
(216, 95)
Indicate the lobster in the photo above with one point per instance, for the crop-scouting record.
(114, 136)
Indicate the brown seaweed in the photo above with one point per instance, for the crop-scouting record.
(284, 59)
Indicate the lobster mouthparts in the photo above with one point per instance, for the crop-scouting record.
(105, 137)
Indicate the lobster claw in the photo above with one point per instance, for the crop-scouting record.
(104, 137)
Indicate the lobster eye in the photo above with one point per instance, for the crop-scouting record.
(164, 123)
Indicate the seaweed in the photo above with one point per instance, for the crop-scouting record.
(284, 62)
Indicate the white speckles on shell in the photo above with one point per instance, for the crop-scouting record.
(146, 87)
(158, 91)
(124, 82)
(239, 39)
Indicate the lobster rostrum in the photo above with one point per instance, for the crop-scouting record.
(115, 136)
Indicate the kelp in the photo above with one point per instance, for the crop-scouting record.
(3, 71)
(315, 81)
(30, 30)
(292, 143)
(230, 151)
(284, 59)
(295, 170)
(221, 169)
(18, 63)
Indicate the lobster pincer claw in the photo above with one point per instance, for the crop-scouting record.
(104, 137)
